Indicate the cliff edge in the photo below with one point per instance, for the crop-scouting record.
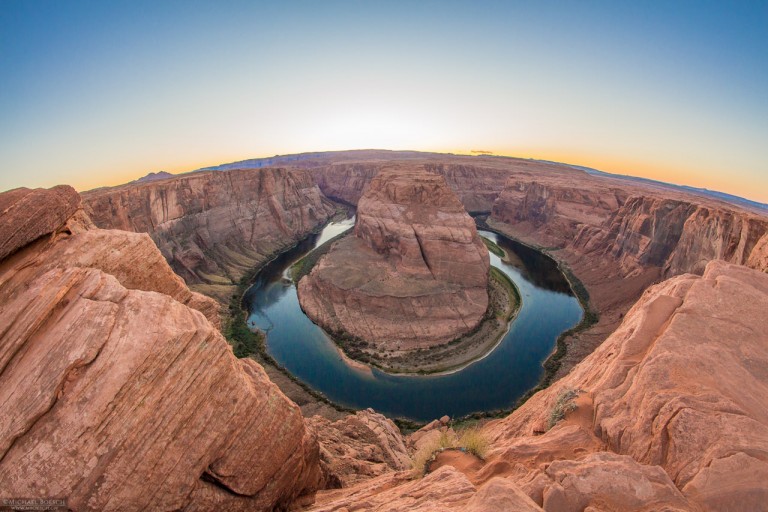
(667, 414)
(120, 392)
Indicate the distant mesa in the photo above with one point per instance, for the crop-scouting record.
(414, 274)
(154, 176)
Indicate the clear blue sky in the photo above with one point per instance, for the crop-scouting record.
(100, 92)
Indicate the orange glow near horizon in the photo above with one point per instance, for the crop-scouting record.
(610, 165)
(99, 94)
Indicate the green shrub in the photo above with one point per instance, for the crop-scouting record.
(564, 404)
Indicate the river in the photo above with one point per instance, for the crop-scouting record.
(494, 382)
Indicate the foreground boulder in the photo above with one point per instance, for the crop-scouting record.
(120, 393)
(414, 274)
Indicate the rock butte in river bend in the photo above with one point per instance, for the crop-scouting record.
(413, 275)
(119, 393)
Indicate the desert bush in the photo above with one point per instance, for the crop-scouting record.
(470, 440)
(424, 456)
(473, 441)
(564, 404)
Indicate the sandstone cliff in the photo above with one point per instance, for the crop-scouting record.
(119, 393)
(476, 185)
(634, 227)
(414, 274)
(618, 237)
(213, 227)
(670, 415)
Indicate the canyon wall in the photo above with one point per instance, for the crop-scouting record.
(213, 227)
(634, 227)
(120, 393)
(415, 273)
(618, 237)
(477, 186)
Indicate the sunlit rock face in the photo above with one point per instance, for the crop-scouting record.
(118, 390)
(415, 272)
(214, 227)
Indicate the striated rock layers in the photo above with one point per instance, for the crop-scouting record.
(633, 227)
(619, 237)
(476, 185)
(414, 274)
(213, 227)
(118, 392)
(669, 415)
(680, 386)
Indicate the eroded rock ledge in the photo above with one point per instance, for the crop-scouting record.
(669, 415)
(415, 273)
(118, 391)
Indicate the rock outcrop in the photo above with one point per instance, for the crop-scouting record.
(679, 386)
(669, 415)
(120, 393)
(30, 214)
(476, 185)
(359, 447)
(213, 227)
(414, 274)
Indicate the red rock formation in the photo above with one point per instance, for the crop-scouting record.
(414, 274)
(678, 386)
(213, 227)
(670, 416)
(30, 214)
(360, 446)
(477, 184)
(123, 397)
(758, 259)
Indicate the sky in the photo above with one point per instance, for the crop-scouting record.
(97, 93)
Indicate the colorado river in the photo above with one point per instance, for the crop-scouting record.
(494, 382)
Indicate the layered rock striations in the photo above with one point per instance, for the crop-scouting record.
(477, 185)
(618, 237)
(633, 227)
(120, 394)
(678, 386)
(414, 274)
(213, 227)
(668, 414)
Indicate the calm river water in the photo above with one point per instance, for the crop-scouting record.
(494, 382)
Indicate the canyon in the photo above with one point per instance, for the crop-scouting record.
(214, 227)
(413, 275)
(126, 396)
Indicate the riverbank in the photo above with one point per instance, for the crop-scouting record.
(248, 343)
(384, 390)
(554, 363)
